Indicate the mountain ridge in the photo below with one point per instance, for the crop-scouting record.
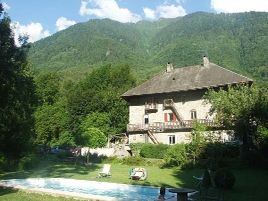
(237, 41)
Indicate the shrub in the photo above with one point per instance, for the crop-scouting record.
(2, 162)
(206, 182)
(154, 162)
(156, 151)
(221, 150)
(28, 162)
(176, 155)
(133, 161)
(262, 139)
(253, 158)
(64, 154)
(136, 148)
(224, 179)
(65, 139)
(112, 159)
(94, 137)
(220, 154)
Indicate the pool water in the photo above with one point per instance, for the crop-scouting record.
(111, 190)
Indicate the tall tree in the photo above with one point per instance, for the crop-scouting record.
(16, 94)
(243, 109)
(48, 87)
(51, 116)
(99, 93)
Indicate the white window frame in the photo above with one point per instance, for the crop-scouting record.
(193, 114)
(171, 139)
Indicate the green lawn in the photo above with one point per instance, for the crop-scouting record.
(18, 195)
(251, 184)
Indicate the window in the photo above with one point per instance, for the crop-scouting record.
(170, 117)
(146, 119)
(193, 114)
(171, 139)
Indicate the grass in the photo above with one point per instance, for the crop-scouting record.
(11, 194)
(251, 184)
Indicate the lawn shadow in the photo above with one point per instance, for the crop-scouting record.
(5, 190)
(185, 177)
(52, 168)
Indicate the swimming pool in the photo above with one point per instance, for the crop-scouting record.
(87, 189)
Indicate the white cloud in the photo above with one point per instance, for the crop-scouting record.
(171, 11)
(63, 23)
(164, 11)
(231, 6)
(5, 6)
(107, 9)
(83, 8)
(149, 13)
(34, 31)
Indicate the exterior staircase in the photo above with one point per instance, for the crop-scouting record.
(152, 137)
(169, 103)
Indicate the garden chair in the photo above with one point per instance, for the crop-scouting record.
(105, 172)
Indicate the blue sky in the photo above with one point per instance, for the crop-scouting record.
(41, 18)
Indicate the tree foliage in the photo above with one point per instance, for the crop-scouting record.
(96, 100)
(17, 97)
(176, 155)
(51, 123)
(98, 120)
(243, 109)
(48, 87)
(51, 116)
(198, 142)
(94, 137)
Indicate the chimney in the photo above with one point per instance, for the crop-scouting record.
(169, 67)
(205, 61)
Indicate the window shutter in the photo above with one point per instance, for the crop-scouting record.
(174, 118)
(165, 117)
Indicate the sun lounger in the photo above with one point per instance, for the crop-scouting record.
(105, 171)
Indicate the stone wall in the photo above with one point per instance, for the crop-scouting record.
(181, 137)
(184, 103)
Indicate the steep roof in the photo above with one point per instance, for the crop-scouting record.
(188, 78)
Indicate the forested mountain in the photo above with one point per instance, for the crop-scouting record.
(236, 41)
(46, 109)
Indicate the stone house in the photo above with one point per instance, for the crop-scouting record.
(164, 108)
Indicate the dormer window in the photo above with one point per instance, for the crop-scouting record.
(151, 106)
(193, 114)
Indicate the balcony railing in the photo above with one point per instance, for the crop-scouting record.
(162, 126)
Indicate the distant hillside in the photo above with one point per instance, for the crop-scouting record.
(236, 41)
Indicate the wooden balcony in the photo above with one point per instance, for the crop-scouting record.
(163, 126)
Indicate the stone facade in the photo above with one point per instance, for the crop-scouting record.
(164, 108)
(185, 103)
(150, 110)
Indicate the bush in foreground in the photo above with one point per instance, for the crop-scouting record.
(176, 156)
(224, 179)
(156, 151)
(28, 162)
